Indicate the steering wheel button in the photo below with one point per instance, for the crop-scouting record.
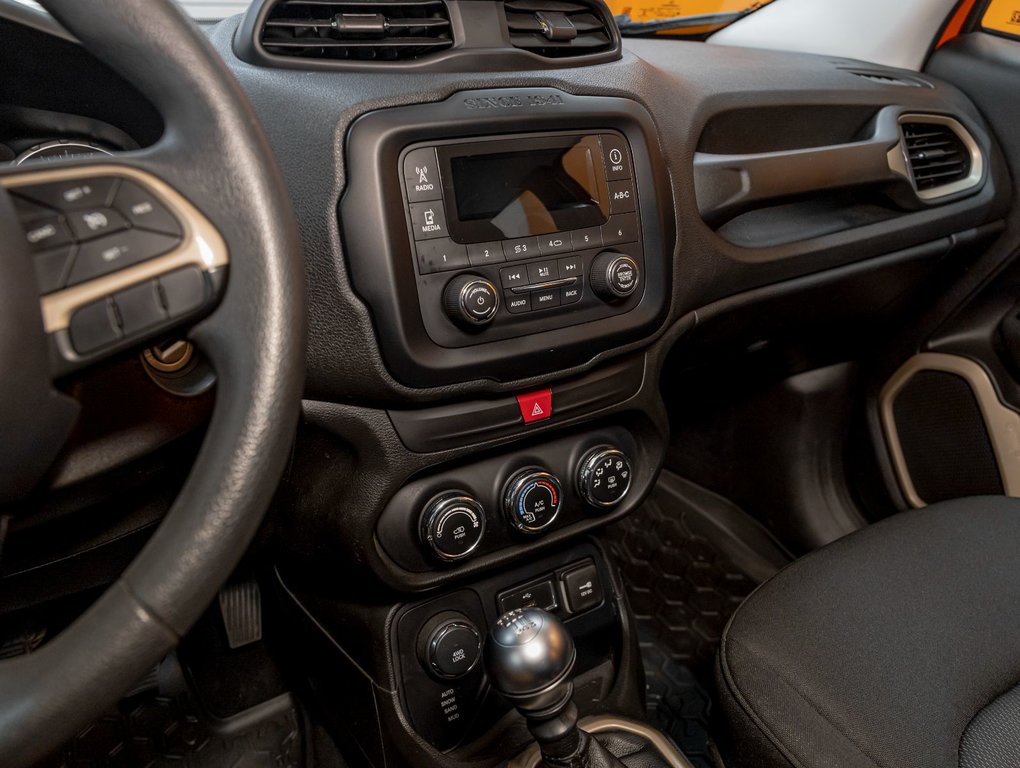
(51, 268)
(144, 210)
(43, 234)
(113, 252)
(140, 307)
(94, 326)
(72, 195)
(95, 222)
(183, 291)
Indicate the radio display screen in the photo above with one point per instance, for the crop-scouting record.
(536, 191)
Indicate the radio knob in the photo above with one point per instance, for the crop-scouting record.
(531, 499)
(603, 477)
(452, 525)
(614, 276)
(471, 300)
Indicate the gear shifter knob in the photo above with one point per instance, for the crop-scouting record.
(529, 656)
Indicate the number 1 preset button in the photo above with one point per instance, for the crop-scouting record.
(440, 255)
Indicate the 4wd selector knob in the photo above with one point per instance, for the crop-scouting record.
(471, 300)
(614, 276)
(531, 499)
(603, 476)
(452, 525)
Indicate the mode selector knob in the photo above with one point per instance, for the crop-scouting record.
(452, 525)
(531, 499)
(471, 300)
(614, 276)
(603, 476)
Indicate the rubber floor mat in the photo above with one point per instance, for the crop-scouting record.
(152, 731)
(678, 556)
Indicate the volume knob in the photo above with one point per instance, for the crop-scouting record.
(471, 300)
(614, 276)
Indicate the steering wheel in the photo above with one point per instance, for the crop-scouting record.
(220, 203)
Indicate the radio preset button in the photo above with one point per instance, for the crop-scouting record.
(545, 299)
(542, 272)
(620, 229)
(421, 175)
(614, 149)
(622, 197)
(440, 255)
(586, 238)
(513, 277)
(480, 254)
(517, 303)
(521, 248)
(550, 245)
(428, 220)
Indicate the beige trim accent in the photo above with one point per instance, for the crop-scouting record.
(1002, 423)
(532, 758)
(977, 160)
(202, 245)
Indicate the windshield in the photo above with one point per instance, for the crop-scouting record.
(695, 19)
(200, 10)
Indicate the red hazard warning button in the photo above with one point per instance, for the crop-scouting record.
(535, 406)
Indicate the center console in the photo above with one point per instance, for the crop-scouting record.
(507, 234)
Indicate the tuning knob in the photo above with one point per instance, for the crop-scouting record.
(452, 525)
(614, 276)
(471, 300)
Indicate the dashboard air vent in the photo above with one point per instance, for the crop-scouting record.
(938, 157)
(559, 28)
(360, 30)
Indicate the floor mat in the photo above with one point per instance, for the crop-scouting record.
(688, 559)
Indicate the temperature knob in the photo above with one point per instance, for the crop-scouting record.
(452, 525)
(603, 477)
(614, 276)
(531, 499)
(471, 300)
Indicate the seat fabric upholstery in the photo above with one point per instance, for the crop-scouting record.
(883, 648)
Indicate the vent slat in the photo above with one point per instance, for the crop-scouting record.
(370, 30)
(557, 28)
(937, 156)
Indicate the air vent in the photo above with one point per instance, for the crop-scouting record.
(942, 156)
(357, 30)
(886, 79)
(559, 29)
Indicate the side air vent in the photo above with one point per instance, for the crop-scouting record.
(942, 156)
(359, 30)
(559, 28)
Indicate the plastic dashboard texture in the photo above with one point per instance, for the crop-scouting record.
(382, 264)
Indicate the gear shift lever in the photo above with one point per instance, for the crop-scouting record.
(529, 656)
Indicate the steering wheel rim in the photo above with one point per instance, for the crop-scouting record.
(215, 155)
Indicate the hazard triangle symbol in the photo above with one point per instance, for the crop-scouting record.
(537, 410)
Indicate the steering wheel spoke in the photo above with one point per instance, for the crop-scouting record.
(119, 257)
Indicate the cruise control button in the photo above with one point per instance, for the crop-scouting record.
(517, 303)
(421, 175)
(182, 291)
(545, 299)
(480, 254)
(521, 248)
(95, 222)
(550, 245)
(74, 194)
(440, 255)
(140, 307)
(143, 210)
(572, 266)
(428, 220)
(26, 210)
(620, 229)
(572, 294)
(586, 238)
(614, 149)
(542, 272)
(47, 233)
(622, 197)
(113, 252)
(51, 268)
(94, 326)
(513, 277)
